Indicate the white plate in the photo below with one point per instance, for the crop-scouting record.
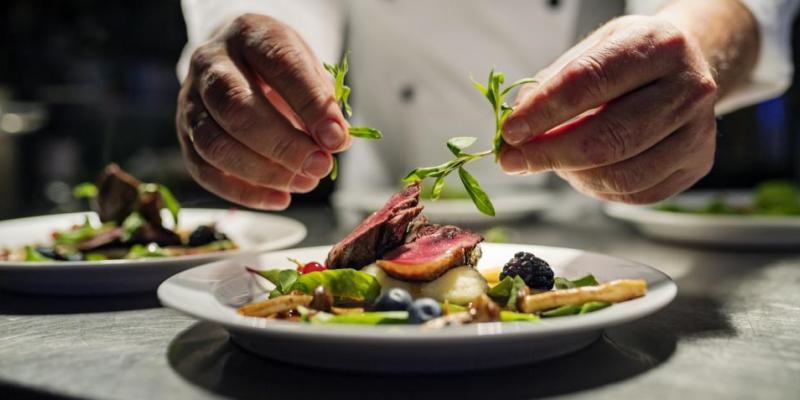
(720, 230)
(201, 292)
(253, 232)
(509, 206)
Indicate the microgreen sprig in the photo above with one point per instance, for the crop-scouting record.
(342, 94)
(495, 93)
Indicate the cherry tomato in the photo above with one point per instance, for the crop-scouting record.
(312, 266)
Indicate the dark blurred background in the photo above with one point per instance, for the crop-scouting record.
(85, 82)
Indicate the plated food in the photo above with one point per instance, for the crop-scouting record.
(131, 225)
(764, 217)
(770, 198)
(398, 268)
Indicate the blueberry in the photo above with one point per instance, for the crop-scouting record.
(394, 299)
(205, 234)
(423, 310)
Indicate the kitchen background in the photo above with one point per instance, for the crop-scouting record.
(85, 82)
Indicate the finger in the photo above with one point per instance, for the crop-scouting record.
(621, 129)
(279, 56)
(229, 187)
(611, 68)
(227, 154)
(676, 183)
(694, 141)
(245, 114)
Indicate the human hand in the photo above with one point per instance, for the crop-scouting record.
(627, 115)
(257, 119)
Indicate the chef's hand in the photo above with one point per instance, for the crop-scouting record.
(627, 115)
(256, 118)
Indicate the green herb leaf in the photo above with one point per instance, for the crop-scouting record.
(95, 257)
(458, 144)
(85, 190)
(564, 283)
(438, 185)
(422, 173)
(334, 170)
(341, 91)
(476, 193)
(365, 132)
(520, 82)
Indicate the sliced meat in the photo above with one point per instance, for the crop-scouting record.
(383, 230)
(435, 250)
(101, 240)
(151, 233)
(117, 194)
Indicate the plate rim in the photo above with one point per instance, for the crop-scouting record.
(277, 244)
(663, 296)
(646, 214)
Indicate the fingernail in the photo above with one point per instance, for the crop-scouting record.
(516, 130)
(302, 184)
(331, 134)
(512, 161)
(316, 164)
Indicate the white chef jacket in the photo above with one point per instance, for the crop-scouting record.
(411, 60)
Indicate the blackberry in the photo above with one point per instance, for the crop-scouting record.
(536, 273)
(205, 234)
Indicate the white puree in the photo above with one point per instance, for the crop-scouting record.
(459, 285)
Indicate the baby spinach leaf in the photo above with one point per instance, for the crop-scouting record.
(586, 280)
(345, 285)
(365, 318)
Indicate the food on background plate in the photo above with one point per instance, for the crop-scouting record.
(131, 226)
(398, 268)
(771, 198)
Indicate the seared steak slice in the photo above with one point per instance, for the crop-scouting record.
(108, 238)
(433, 252)
(382, 231)
(117, 194)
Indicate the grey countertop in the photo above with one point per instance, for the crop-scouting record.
(732, 332)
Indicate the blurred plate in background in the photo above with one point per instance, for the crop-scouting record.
(253, 232)
(709, 229)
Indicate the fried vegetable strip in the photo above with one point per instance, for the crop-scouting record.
(277, 305)
(611, 292)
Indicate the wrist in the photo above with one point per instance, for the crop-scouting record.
(725, 32)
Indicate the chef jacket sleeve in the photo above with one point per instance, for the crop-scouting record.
(773, 71)
(319, 22)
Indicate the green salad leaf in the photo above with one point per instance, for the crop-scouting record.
(586, 280)
(511, 316)
(169, 200)
(505, 292)
(31, 255)
(584, 308)
(777, 198)
(132, 223)
(85, 190)
(72, 237)
(142, 251)
(283, 279)
(365, 318)
(345, 285)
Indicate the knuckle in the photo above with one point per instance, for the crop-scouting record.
(202, 58)
(589, 70)
(609, 143)
(287, 150)
(537, 159)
